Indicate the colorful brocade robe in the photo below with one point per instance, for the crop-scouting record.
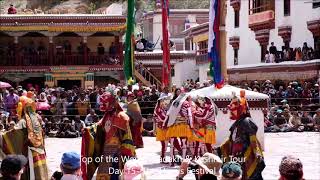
(244, 147)
(106, 146)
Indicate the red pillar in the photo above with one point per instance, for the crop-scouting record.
(16, 51)
(50, 51)
(85, 53)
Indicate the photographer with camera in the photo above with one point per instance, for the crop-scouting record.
(205, 168)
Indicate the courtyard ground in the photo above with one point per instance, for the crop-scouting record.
(305, 146)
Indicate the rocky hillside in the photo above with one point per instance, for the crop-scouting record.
(91, 6)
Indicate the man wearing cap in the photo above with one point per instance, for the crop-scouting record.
(231, 171)
(70, 166)
(106, 144)
(11, 102)
(243, 145)
(12, 167)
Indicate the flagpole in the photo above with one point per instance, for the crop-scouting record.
(166, 68)
(223, 41)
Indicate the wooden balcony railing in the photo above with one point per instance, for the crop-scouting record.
(202, 58)
(63, 59)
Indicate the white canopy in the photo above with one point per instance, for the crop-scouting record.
(225, 93)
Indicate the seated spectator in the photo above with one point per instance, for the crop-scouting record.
(12, 9)
(91, 117)
(140, 46)
(13, 166)
(67, 129)
(307, 120)
(205, 168)
(280, 124)
(291, 168)
(70, 166)
(316, 120)
(231, 171)
(79, 124)
(295, 122)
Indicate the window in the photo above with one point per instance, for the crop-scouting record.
(286, 7)
(236, 18)
(263, 52)
(172, 72)
(315, 4)
(235, 56)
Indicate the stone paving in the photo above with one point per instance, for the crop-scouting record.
(305, 146)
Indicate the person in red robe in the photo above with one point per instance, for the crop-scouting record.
(12, 9)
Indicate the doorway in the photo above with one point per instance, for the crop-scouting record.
(69, 84)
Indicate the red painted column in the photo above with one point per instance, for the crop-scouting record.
(16, 51)
(85, 50)
(50, 51)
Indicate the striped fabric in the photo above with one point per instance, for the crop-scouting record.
(213, 44)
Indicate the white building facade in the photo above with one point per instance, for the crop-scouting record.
(252, 25)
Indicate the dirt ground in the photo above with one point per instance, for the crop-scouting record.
(305, 146)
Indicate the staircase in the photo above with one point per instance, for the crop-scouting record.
(145, 76)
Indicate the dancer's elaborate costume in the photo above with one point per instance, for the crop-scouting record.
(27, 139)
(180, 122)
(243, 143)
(134, 112)
(107, 143)
(159, 115)
(204, 116)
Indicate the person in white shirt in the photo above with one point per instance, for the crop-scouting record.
(140, 46)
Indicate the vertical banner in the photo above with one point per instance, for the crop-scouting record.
(129, 45)
(214, 44)
(166, 68)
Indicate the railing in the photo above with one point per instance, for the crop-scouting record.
(147, 76)
(202, 58)
(261, 8)
(63, 59)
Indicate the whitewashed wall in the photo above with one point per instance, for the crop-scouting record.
(249, 52)
(184, 70)
(224, 123)
(203, 75)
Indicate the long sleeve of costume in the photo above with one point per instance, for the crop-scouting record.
(127, 147)
(186, 112)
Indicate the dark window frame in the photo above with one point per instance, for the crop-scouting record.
(315, 5)
(286, 7)
(236, 18)
(235, 56)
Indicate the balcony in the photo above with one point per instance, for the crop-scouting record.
(261, 15)
(202, 58)
(56, 60)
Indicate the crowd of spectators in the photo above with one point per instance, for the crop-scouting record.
(294, 106)
(273, 55)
